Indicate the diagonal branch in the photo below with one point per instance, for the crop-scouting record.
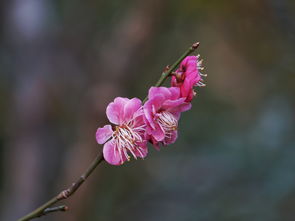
(45, 208)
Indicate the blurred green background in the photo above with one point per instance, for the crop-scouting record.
(62, 62)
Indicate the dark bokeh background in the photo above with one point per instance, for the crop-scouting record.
(63, 61)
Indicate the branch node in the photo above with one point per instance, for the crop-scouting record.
(167, 68)
(63, 194)
(195, 45)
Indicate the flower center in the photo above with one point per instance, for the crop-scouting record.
(127, 139)
(168, 122)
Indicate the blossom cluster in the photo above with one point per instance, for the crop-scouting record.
(156, 121)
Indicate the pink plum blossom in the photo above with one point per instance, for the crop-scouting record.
(162, 112)
(187, 76)
(127, 136)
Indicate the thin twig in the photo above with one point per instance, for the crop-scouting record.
(65, 193)
(62, 208)
(45, 208)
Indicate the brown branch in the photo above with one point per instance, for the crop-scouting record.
(44, 209)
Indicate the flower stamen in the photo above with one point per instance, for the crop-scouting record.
(126, 140)
(168, 123)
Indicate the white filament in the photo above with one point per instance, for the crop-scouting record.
(127, 138)
(168, 123)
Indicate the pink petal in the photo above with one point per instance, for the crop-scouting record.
(139, 121)
(103, 134)
(158, 133)
(156, 102)
(187, 86)
(189, 64)
(115, 110)
(174, 93)
(155, 91)
(141, 151)
(172, 103)
(181, 108)
(151, 106)
(111, 154)
(171, 93)
(172, 139)
(148, 114)
(130, 108)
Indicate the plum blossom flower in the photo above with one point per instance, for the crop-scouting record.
(162, 112)
(127, 136)
(187, 76)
